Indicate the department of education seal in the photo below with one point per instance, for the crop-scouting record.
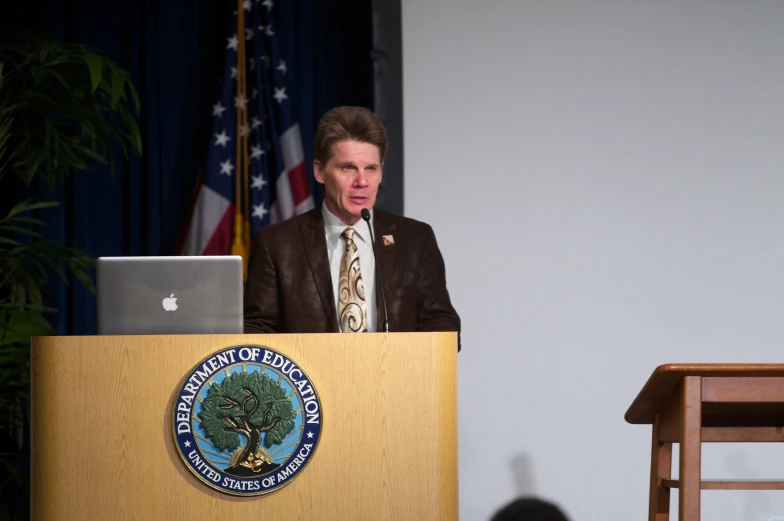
(246, 420)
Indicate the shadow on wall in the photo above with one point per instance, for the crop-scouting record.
(527, 506)
(523, 475)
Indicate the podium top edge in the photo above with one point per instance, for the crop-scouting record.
(243, 335)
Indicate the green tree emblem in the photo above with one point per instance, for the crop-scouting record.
(252, 405)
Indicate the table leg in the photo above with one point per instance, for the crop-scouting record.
(691, 447)
(661, 469)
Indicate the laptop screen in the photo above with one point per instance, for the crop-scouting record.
(170, 295)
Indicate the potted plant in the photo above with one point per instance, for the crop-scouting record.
(64, 108)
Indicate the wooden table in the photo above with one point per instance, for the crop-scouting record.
(692, 404)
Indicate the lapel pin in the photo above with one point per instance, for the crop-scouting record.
(389, 240)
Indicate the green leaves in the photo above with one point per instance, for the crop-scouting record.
(245, 401)
(6, 120)
(284, 412)
(95, 65)
(27, 205)
(26, 264)
(26, 267)
(220, 431)
(63, 108)
(16, 329)
(14, 486)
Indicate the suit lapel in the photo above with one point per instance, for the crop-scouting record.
(314, 237)
(386, 262)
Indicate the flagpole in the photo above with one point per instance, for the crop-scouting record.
(239, 242)
(246, 164)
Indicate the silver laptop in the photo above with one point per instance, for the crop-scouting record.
(175, 295)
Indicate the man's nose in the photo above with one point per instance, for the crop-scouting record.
(360, 180)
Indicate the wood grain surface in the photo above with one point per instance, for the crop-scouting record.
(665, 378)
(719, 484)
(103, 446)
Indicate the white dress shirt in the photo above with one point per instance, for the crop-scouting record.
(333, 227)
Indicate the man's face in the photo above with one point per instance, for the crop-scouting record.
(351, 178)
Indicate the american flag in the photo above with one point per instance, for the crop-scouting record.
(278, 181)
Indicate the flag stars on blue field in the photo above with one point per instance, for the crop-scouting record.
(265, 99)
(226, 168)
(222, 139)
(259, 211)
(257, 182)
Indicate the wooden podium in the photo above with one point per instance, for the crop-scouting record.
(103, 446)
(692, 404)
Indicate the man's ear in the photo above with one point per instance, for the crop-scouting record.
(317, 172)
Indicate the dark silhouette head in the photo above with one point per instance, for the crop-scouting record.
(530, 509)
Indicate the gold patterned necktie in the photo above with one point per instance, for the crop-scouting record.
(353, 316)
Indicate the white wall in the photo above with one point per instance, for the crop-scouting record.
(606, 182)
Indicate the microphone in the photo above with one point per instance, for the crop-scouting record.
(366, 216)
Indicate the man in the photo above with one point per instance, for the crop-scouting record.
(316, 273)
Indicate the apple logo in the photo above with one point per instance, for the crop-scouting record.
(170, 303)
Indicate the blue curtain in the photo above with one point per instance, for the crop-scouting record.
(175, 56)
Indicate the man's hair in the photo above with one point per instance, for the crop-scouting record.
(530, 509)
(348, 123)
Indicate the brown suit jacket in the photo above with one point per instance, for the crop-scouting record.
(289, 285)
